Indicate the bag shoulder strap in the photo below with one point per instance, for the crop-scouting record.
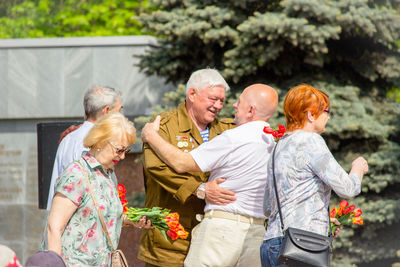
(277, 196)
(275, 188)
(103, 224)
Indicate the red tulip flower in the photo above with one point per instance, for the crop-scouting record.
(174, 215)
(173, 235)
(349, 209)
(357, 212)
(343, 203)
(333, 212)
(121, 189)
(173, 225)
(358, 220)
(268, 130)
(340, 211)
(182, 234)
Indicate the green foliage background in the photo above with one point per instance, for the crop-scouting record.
(346, 47)
(69, 18)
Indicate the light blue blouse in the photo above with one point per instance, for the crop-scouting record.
(306, 172)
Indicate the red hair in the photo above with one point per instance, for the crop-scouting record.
(301, 99)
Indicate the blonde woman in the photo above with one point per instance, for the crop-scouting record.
(74, 229)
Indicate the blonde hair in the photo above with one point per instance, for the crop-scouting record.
(108, 127)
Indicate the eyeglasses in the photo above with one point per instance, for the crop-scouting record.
(119, 151)
(330, 114)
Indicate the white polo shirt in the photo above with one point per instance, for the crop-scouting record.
(70, 149)
(240, 155)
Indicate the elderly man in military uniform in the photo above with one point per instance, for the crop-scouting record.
(192, 123)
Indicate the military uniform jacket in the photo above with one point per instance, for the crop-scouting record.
(167, 189)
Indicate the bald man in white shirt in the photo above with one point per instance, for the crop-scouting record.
(229, 235)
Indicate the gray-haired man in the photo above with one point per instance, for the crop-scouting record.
(98, 101)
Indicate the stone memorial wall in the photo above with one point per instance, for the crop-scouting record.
(21, 222)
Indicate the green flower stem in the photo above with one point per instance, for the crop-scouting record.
(155, 215)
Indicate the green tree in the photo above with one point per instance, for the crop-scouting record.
(46, 18)
(345, 47)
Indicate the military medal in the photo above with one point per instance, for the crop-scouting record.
(191, 140)
(184, 141)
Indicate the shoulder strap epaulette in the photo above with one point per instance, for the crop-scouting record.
(166, 116)
(227, 120)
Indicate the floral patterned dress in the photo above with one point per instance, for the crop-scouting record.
(83, 241)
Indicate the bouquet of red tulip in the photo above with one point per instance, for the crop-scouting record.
(162, 219)
(346, 214)
(276, 133)
(121, 194)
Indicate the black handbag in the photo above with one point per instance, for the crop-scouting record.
(302, 248)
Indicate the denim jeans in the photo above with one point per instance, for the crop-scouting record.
(269, 252)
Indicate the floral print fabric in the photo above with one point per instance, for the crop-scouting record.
(83, 240)
(305, 172)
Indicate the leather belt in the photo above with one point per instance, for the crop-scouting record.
(232, 216)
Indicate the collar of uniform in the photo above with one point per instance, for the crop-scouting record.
(214, 130)
(185, 123)
(94, 164)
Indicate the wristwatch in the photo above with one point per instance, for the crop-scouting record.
(201, 191)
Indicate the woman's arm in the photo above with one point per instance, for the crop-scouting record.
(61, 211)
(325, 166)
(360, 167)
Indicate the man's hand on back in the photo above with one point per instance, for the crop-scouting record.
(217, 195)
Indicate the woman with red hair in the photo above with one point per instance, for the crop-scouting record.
(305, 172)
